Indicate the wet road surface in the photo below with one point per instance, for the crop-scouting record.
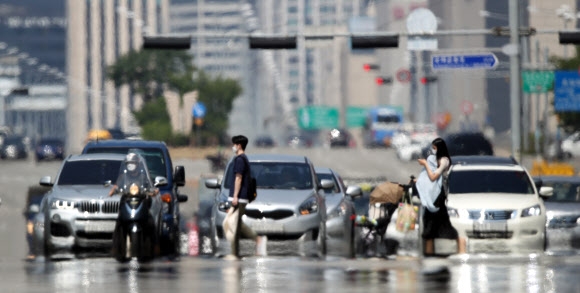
(467, 273)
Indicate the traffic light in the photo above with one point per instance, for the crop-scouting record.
(428, 79)
(167, 43)
(370, 42)
(275, 43)
(569, 37)
(368, 67)
(383, 80)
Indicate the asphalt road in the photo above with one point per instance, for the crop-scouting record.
(552, 272)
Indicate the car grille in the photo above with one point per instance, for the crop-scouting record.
(106, 207)
(563, 222)
(491, 215)
(489, 234)
(275, 214)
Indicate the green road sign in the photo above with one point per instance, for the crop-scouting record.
(356, 116)
(317, 117)
(537, 81)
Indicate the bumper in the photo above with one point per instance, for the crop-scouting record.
(68, 230)
(522, 234)
(291, 227)
(337, 227)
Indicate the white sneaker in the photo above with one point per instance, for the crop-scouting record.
(262, 246)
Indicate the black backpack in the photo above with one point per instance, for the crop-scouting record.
(252, 186)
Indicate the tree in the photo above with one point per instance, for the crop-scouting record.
(570, 121)
(149, 72)
(218, 95)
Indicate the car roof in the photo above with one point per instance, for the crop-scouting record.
(483, 160)
(554, 178)
(322, 170)
(125, 143)
(277, 158)
(486, 167)
(97, 156)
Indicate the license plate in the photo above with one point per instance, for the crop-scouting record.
(490, 226)
(99, 226)
(267, 227)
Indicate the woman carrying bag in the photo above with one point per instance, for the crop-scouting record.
(432, 191)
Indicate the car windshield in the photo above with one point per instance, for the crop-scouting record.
(277, 175)
(327, 176)
(90, 172)
(153, 156)
(490, 181)
(388, 119)
(563, 191)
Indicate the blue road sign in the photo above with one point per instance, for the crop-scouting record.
(198, 110)
(465, 61)
(566, 91)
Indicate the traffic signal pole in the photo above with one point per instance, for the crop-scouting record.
(515, 83)
(391, 40)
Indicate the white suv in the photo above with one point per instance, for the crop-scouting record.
(497, 207)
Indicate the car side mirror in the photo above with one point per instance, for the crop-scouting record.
(546, 191)
(182, 197)
(354, 191)
(160, 181)
(108, 183)
(179, 175)
(212, 183)
(46, 181)
(326, 184)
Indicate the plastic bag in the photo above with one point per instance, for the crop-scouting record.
(230, 224)
(406, 217)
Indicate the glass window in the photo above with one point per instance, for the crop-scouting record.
(277, 175)
(155, 159)
(327, 176)
(490, 181)
(91, 172)
(563, 191)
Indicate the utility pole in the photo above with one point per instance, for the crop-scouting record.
(515, 69)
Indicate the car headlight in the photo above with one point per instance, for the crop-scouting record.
(339, 211)
(224, 206)
(309, 206)
(532, 211)
(134, 189)
(60, 204)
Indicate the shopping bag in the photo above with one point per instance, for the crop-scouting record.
(406, 217)
(230, 224)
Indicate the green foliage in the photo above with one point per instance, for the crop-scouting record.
(218, 95)
(570, 121)
(149, 72)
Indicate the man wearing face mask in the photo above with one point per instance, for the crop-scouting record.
(239, 198)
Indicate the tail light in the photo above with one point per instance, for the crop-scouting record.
(166, 197)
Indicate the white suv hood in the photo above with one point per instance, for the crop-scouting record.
(495, 201)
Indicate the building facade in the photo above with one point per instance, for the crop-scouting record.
(99, 31)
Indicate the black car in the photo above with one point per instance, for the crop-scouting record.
(339, 138)
(14, 148)
(465, 144)
(49, 149)
(264, 141)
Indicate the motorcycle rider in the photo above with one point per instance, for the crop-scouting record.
(133, 172)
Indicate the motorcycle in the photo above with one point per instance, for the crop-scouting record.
(137, 228)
